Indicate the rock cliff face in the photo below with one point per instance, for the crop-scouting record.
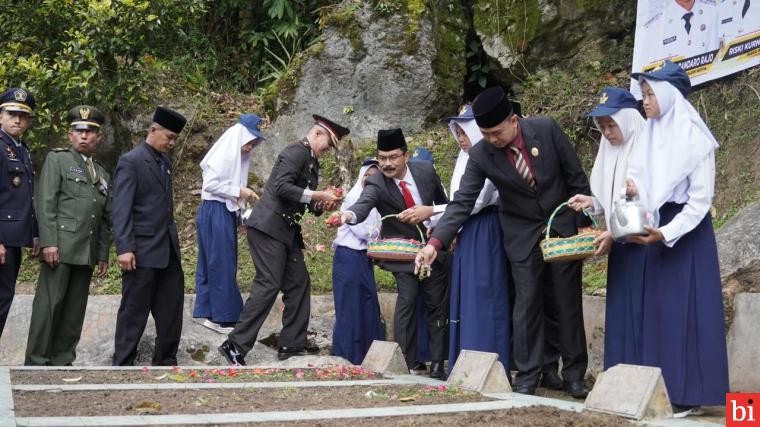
(379, 65)
(526, 35)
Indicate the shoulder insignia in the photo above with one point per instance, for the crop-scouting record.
(60, 150)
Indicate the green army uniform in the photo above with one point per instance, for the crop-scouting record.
(74, 214)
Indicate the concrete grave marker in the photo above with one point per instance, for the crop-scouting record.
(630, 391)
(479, 371)
(385, 357)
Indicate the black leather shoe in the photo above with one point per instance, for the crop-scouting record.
(577, 389)
(525, 389)
(288, 352)
(550, 380)
(419, 368)
(311, 347)
(436, 371)
(232, 354)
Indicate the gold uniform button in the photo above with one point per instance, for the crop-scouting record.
(61, 226)
(92, 216)
(90, 232)
(94, 200)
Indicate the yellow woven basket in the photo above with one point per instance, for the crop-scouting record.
(393, 248)
(580, 246)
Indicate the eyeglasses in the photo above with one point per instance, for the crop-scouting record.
(393, 158)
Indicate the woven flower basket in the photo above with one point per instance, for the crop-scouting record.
(393, 248)
(580, 246)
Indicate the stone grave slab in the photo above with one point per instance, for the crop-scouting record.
(630, 391)
(479, 371)
(385, 357)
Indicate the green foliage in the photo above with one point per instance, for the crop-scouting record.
(92, 51)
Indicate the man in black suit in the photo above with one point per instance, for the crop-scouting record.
(535, 168)
(409, 189)
(147, 244)
(276, 245)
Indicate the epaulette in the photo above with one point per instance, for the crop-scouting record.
(60, 150)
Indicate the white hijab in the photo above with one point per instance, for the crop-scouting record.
(674, 144)
(225, 161)
(356, 191)
(609, 171)
(488, 195)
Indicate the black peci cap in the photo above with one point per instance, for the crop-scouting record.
(169, 119)
(491, 107)
(391, 139)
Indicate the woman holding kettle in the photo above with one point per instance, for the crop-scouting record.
(225, 178)
(621, 125)
(674, 175)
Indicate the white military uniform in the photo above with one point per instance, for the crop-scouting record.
(686, 33)
(734, 24)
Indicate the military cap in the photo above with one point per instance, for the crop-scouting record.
(491, 107)
(17, 99)
(671, 73)
(336, 131)
(612, 100)
(86, 117)
(391, 139)
(169, 119)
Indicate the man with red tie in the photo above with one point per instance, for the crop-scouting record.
(535, 169)
(409, 189)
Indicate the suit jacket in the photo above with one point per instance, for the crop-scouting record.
(18, 223)
(523, 212)
(384, 194)
(143, 210)
(279, 212)
(74, 211)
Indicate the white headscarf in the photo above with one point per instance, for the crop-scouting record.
(488, 195)
(675, 143)
(226, 164)
(356, 191)
(610, 168)
(356, 236)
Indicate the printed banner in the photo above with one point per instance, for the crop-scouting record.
(707, 38)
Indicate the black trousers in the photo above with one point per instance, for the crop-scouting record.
(531, 276)
(279, 267)
(156, 291)
(8, 275)
(435, 289)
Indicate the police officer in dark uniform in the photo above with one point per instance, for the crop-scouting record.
(18, 224)
(276, 245)
(74, 215)
(147, 245)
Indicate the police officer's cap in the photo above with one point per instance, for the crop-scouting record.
(612, 100)
(491, 107)
(86, 117)
(671, 73)
(169, 119)
(17, 99)
(335, 130)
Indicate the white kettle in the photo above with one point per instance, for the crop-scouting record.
(629, 218)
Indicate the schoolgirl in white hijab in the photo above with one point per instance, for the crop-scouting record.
(225, 178)
(357, 311)
(674, 174)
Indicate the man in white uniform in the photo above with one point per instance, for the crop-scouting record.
(687, 28)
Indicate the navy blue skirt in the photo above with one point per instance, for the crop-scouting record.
(357, 311)
(217, 296)
(625, 301)
(480, 314)
(683, 330)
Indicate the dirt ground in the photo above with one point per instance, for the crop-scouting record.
(163, 402)
(532, 416)
(179, 375)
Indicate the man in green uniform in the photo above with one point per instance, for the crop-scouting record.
(74, 216)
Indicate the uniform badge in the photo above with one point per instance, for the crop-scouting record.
(76, 169)
(84, 112)
(20, 95)
(534, 152)
(10, 152)
(103, 187)
(16, 181)
(604, 98)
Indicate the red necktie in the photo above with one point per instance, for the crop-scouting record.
(408, 199)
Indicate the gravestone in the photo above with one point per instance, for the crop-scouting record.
(479, 371)
(630, 391)
(385, 357)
